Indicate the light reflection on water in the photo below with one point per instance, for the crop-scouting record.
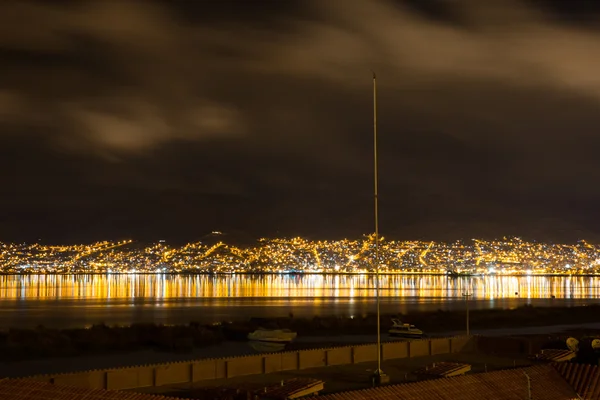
(131, 286)
(78, 300)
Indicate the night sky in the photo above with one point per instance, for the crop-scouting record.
(170, 119)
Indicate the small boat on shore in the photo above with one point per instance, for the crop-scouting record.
(401, 329)
(267, 347)
(272, 335)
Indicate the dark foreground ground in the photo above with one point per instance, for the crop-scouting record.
(27, 344)
(348, 377)
(553, 335)
(39, 351)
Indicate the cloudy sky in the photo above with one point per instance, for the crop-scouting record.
(170, 119)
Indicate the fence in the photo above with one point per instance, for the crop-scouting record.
(218, 368)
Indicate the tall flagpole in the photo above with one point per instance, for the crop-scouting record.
(379, 376)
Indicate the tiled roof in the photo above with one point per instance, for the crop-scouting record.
(546, 383)
(290, 388)
(25, 389)
(443, 369)
(554, 355)
(293, 387)
(585, 379)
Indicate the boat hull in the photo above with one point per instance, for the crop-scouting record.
(271, 340)
(408, 335)
(272, 336)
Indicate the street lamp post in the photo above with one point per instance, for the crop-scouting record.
(379, 377)
(467, 295)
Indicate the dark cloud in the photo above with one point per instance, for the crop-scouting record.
(171, 118)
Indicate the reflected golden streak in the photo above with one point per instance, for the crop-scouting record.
(110, 287)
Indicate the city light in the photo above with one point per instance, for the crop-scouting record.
(296, 255)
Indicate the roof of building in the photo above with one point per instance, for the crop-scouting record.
(555, 355)
(26, 389)
(546, 383)
(557, 381)
(286, 389)
(293, 387)
(443, 370)
(585, 379)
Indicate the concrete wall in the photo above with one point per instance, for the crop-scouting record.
(339, 356)
(91, 379)
(419, 348)
(219, 368)
(439, 346)
(240, 366)
(312, 358)
(365, 353)
(394, 350)
(463, 344)
(130, 378)
(173, 373)
(204, 370)
(290, 361)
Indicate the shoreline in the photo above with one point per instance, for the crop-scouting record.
(387, 273)
(22, 345)
(72, 364)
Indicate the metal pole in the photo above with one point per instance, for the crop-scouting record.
(468, 327)
(528, 385)
(376, 205)
(467, 306)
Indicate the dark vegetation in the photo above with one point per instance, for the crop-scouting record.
(431, 322)
(20, 344)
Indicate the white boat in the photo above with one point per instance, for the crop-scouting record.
(401, 329)
(272, 335)
(267, 347)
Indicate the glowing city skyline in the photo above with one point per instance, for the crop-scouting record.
(297, 255)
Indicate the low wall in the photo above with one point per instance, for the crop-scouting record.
(219, 368)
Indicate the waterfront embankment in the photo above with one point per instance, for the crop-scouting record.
(187, 340)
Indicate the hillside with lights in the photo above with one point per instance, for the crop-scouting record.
(508, 256)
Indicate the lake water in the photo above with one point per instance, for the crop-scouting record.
(80, 300)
